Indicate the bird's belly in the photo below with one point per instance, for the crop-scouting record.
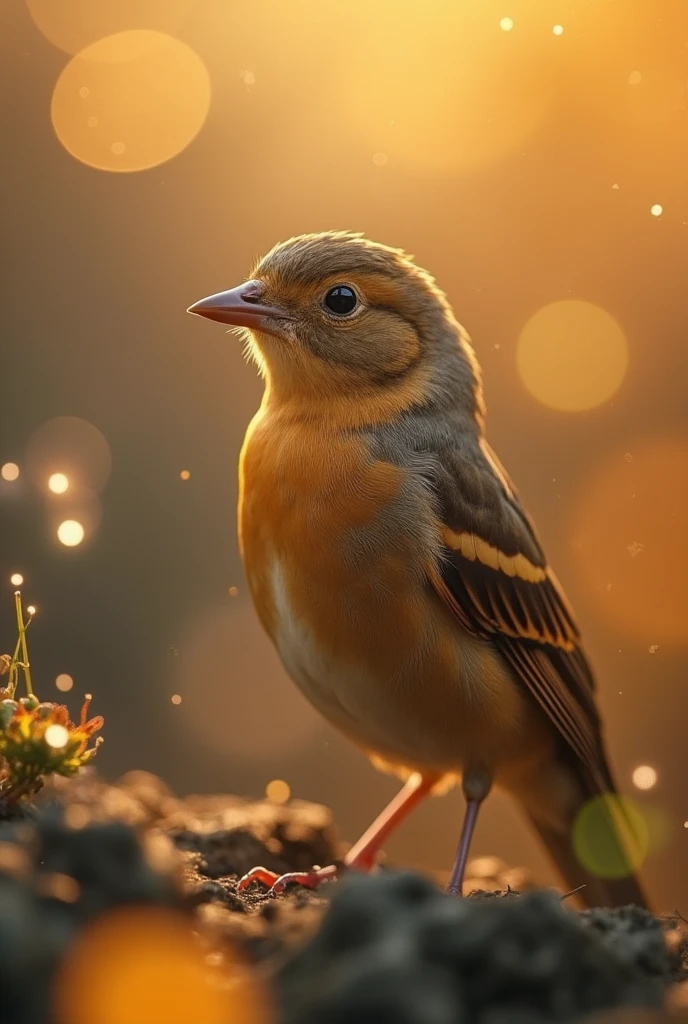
(426, 697)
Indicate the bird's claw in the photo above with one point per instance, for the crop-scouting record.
(278, 883)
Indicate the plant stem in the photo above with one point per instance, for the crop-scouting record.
(22, 638)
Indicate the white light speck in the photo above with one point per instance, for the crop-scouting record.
(70, 533)
(56, 736)
(644, 777)
(58, 483)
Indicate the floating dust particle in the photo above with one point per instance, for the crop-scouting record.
(278, 791)
(644, 777)
(634, 548)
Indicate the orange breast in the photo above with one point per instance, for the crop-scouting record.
(336, 546)
(314, 503)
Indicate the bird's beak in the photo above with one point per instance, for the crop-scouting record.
(240, 307)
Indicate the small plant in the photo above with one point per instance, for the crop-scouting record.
(37, 738)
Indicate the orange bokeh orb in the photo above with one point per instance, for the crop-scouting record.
(572, 355)
(632, 543)
(131, 101)
(142, 964)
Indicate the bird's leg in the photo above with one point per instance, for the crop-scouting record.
(362, 854)
(476, 784)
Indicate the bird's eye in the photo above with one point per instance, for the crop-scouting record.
(341, 300)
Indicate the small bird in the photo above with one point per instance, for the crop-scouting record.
(393, 566)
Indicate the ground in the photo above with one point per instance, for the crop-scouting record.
(389, 948)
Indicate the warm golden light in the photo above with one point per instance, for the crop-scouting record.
(278, 791)
(558, 30)
(64, 682)
(506, 24)
(9, 471)
(572, 355)
(73, 24)
(631, 542)
(656, 210)
(70, 533)
(142, 964)
(31, 609)
(131, 101)
(644, 777)
(16, 579)
(56, 736)
(439, 99)
(185, 474)
(58, 483)
(594, 848)
(635, 78)
(176, 699)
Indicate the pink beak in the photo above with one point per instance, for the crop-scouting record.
(240, 307)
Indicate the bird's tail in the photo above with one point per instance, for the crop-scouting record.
(599, 847)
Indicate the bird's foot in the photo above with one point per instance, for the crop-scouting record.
(278, 883)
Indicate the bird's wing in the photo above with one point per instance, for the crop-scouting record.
(494, 577)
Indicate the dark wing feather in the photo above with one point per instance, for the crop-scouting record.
(495, 578)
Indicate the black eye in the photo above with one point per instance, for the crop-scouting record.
(341, 300)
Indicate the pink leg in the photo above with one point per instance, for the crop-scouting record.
(363, 854)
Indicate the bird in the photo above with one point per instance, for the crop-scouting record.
(394, 568)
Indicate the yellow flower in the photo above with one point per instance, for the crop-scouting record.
(40, 739)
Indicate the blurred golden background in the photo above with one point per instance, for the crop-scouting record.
(533, 154)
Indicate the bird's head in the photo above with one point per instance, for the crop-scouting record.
(335, 315)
